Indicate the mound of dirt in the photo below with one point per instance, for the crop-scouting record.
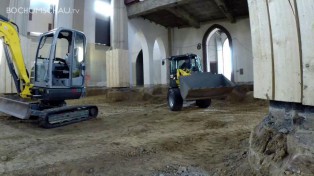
(153, 95)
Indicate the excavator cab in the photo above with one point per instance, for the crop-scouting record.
(63, 52)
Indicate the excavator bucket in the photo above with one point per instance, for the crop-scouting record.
(204, 85)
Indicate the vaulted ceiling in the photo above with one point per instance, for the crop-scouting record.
(187, 13)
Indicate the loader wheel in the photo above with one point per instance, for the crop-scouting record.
(175, 101)
(203, 103)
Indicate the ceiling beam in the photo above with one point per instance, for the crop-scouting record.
(185, 16)
(150, 6)
(224, 9)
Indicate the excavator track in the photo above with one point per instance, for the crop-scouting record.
(56, 117)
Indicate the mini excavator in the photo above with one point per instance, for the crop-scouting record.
(58, 75)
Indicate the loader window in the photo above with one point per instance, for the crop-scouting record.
(173, 67)
(196, 64)
(185, 63)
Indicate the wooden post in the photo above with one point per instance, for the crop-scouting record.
(118, 68)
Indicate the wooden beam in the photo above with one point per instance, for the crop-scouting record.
(185, 16)
(149, 6)
(224, 9)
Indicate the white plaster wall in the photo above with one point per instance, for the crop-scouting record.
(142, 34)
(40, 19)
(96, 54)
(65, 19)
(119, 25)
(186, 40)
(96, 65)
(89, 21)
(156, 61)
(3, 7)
(40, 22)
(21, 19)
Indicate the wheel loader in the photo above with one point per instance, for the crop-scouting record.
(188, 82)
(58, 75)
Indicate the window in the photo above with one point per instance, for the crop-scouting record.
(42, 61)
(30, 15)
(102, 31)
(44, 47)
(63, 47)
(78, 55)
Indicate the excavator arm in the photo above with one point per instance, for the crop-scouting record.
(13, 51)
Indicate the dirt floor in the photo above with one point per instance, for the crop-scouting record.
(136, 138)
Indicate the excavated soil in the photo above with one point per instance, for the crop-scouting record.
(136, 135)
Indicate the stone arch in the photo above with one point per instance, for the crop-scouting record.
(140, 45)
(207, 36)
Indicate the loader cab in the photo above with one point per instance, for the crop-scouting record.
(60, 65)
(190, 63)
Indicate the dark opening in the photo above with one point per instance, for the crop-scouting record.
(140, 69)
(102, 31)
(214, 67)
(30, 15)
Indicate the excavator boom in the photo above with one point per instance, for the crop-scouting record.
(14, 56)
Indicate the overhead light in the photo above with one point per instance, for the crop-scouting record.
(35, 34)
(103, 8)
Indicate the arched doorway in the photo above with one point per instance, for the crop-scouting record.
(217, 51)
(140, 57)
(140, 69)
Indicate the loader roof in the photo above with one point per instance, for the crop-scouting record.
(180, 57)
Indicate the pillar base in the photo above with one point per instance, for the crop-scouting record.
(283, 143)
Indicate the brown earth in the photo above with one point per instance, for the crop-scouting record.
(136, 137)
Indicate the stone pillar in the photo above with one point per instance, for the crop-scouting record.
(283, 143)
(65, 17)
(119, 26)
(78, 18)
(3, 7)
(117, 61)
(21, 19)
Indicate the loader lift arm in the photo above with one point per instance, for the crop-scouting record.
(14, 56)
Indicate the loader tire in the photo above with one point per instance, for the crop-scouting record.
(203, 103)
(175, 101)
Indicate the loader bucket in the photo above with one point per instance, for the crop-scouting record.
(204, 85)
